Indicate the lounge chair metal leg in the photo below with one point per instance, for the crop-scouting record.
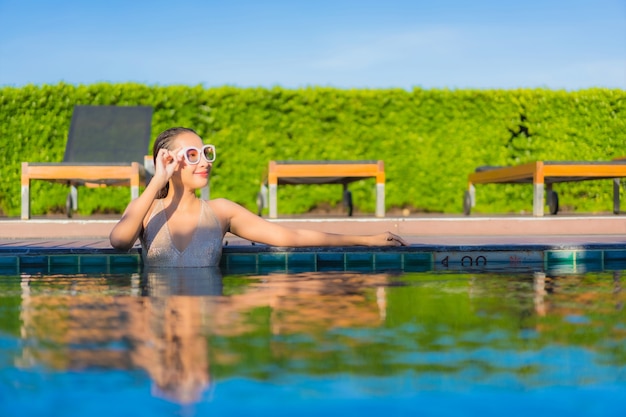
(538, 195)
(380, 200)
(469, 199)
(347, 200)
(68, 205)
(74, 194)
(273, 201)
(616, 196)
(467, 203)
(25, 192)
(261, 199)
(71, 202)
(25, 202)
(553, 202)
(259, 204)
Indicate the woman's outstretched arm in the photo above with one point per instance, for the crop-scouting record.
(247, 225)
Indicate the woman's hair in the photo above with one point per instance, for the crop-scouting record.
(164, 140)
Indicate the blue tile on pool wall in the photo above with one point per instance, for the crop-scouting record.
(9, 270)
(240, 263)
(34, 260)
(274, 259)
(100, 269)
(560, 256)
(124, 260)
(330, 261)
(242, 259)
(574, 256)
(64, 260)
(121, 264)
(418, 261)
(9, 265)
(9, 261)
(64, 269)
(615, 255)
(272, 262)
(589, 255)
(360, 261)
(615, 259)
(388, 260)
(94, 260)
(301, 262)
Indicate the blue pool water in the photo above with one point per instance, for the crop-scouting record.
(202, 342)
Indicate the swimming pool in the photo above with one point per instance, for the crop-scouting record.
(467, 340)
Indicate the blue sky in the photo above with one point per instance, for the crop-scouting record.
(556, 44)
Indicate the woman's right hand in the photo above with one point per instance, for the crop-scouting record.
(166, 163)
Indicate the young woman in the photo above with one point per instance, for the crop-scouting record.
(177, 229)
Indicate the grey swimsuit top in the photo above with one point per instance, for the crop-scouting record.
(205, 248)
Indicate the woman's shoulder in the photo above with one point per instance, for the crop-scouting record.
(225, 207)
(222, 205)
(218, 202)
(222, 202)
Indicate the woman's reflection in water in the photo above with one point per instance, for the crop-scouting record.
(169, 282)
(167, 330)
(162, 320)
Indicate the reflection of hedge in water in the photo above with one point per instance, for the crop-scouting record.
(469, 327)
(10, 300)
(479, 326)
(429, 139)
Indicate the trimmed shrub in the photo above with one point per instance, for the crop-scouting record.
(430, 140)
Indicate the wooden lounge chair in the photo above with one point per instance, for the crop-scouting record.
(542, 174)
(322, 172)
(106, 146)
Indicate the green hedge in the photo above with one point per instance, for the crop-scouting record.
(429, 139)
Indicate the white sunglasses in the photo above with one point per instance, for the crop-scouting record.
(192, 155)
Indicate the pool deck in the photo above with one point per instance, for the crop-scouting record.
(452, 231)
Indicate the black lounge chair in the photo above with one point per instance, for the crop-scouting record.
(106, 146)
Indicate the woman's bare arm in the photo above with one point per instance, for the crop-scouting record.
(126, 232)
(247, 225)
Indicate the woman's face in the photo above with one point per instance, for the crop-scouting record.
(192, 175)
